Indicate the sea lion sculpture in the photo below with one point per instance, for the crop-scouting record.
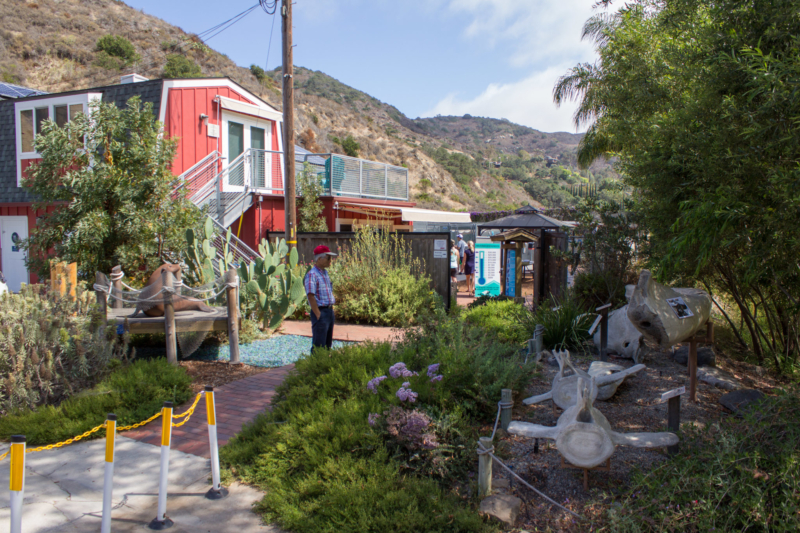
(153, 287)
(583, 435)
(651, 314)
(608, 377)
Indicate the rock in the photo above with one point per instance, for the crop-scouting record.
(718, 378)
(739, 401)
(503, 507)
(705, 356)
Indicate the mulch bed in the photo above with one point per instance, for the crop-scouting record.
(635, 407)
(217, 373)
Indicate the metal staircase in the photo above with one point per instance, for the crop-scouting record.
(203, 184)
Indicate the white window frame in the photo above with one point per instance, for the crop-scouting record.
(51, 104)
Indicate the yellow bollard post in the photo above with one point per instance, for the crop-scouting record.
(17, 482)
(216, 492)
(108, 481)
(162, 521)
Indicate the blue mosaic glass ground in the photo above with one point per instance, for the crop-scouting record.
(277, 351)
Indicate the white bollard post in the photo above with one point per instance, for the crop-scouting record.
(108, 480)
(216, 492)
(17, 483)
(162, 521)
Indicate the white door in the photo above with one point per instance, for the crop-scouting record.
(12, 231)
(254, 170)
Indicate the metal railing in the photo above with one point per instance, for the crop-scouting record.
(343, 175)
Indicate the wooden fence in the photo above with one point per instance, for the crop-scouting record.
(422, 248)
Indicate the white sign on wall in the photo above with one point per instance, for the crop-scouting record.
(440, 249)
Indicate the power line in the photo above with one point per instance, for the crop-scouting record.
(269, 45)
(269, 6)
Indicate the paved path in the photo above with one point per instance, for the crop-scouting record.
(344, 332)
(237, 403)
(64, 492)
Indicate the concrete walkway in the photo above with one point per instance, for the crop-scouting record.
(64, 492)
(237, 403)
(344, 332)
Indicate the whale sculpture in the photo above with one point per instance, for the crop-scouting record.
(666, 315)
(608, 377)
(583, 435)
(152, 305)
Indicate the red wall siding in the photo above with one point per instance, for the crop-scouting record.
(24, 164)
(182, 121)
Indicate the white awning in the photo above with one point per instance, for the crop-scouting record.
(412, 214)
(249, 109)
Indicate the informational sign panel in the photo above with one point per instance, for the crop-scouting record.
(679, 307)
(511, 272)
(440, 249)
(487, 268)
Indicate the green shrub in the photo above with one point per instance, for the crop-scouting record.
(486, 298)
(351, 146)
(501, 318)
(740, 475)
(118, 47)
(376, 280)
(180, 66)
(51, 347)
(566, 323)
(325, 469)
(134, 393)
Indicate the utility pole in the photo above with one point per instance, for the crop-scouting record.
(288, 125)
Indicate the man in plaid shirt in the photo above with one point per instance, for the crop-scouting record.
(320, 298)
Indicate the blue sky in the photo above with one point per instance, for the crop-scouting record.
(494, 58)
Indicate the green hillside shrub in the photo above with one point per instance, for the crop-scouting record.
(115, 52)
(180, 66)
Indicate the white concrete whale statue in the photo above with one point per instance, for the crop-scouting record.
(623, 337)
(583, 435)
(608, 377)
(654, 310)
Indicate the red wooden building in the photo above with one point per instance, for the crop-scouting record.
(229, 154)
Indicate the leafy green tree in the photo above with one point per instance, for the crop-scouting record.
(180, 66)
(698, 99)
(351, 146)
(109, 177)
(310, 189)
(115, 52)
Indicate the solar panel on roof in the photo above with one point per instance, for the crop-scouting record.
(9, 90)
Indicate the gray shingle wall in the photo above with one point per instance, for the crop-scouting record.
(150, 91)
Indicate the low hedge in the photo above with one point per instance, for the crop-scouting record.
(326, 468)
(134, 393)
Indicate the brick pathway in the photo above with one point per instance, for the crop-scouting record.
(344, 332)
(237, 403)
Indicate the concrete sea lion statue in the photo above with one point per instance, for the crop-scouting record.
(152, 288)
(583, 435)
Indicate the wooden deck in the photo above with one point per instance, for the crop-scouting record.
(184, 320)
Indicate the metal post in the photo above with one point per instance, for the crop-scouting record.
(674, 420)
(17, 482)
(216, 492)
(108, 477)
(360, 177)
(485, 468)
(693, 370)
(233, 315)
(162, 521)
(168, 283)
(506, 404)
(385, 180)
(603, 310)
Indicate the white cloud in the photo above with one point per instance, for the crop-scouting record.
(537, 31)
(528, 102)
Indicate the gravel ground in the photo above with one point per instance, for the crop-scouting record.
(280, 350)
(635, 407)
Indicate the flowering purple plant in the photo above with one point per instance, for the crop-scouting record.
(432, 373)
(398, 370)
(406, 395)
(373, 384)
(373, 418)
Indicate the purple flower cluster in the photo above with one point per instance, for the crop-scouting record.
(432, 373)
(406, 394)
(373, 384)
(399, 370)
(373, 418)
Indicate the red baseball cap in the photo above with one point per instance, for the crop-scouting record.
(322, 249)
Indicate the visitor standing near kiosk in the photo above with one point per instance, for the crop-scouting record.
(320, 298)
(455, 264)
(462, 248)
(469, 267)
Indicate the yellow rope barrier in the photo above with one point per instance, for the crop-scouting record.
(188, 413)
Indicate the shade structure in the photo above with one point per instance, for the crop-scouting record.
(526, 221)
(249, 109)
(409, 214)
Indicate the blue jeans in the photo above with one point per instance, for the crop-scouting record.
(322, 328)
